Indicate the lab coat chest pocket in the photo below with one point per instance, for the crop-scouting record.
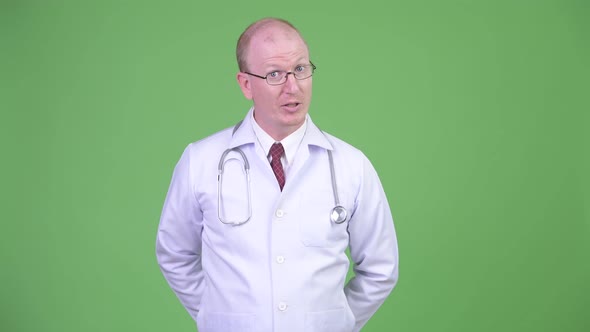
(315, 227)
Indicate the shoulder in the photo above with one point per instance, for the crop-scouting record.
(202, 155)
(351, 159)
(213, 142)
(344, 149)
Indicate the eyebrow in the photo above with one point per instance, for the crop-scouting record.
(300, 61)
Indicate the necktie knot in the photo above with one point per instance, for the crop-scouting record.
(276, 152)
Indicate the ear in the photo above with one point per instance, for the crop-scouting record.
(244, 82)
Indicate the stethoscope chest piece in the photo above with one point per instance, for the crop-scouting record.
(339, 214)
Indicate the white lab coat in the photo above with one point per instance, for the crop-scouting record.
(284, 270)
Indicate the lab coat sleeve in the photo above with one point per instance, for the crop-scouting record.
(373, 249)
(178, 243)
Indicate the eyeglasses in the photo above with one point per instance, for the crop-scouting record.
(279, 77)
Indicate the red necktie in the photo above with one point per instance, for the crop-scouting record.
(276, 151)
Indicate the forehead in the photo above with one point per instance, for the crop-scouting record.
(276, 43)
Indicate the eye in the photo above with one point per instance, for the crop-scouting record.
(274, 74)
(299, 69)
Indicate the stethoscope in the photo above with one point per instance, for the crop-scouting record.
(338, 214)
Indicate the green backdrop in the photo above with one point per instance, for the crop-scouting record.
(480, 106)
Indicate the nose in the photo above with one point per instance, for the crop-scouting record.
(291, 83)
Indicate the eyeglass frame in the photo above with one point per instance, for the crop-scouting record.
(313, 68)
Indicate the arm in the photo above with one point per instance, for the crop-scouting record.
(373, 249)
(178, 243)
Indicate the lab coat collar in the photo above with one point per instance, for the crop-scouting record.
(244, 134)
(314, 136)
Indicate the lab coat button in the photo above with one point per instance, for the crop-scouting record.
(282, 306)
(279, 213)
(280, 259)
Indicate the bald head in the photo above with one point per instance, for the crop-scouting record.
(258, 29)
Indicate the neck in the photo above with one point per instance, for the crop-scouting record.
(278, 134)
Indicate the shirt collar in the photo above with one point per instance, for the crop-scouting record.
(290, 143)
(243, 133)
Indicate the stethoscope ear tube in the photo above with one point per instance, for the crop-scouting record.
(224, 154)
(220, 185)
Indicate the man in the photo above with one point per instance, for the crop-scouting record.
(270, 256)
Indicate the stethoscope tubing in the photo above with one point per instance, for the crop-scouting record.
(335, 216)
(338, 215)
(220, 169)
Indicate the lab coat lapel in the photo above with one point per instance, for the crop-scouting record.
(313, 137)
(244, 136)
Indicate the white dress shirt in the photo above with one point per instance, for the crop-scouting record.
(285, 269)
(290, 143)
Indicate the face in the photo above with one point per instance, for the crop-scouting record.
(279, 109)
